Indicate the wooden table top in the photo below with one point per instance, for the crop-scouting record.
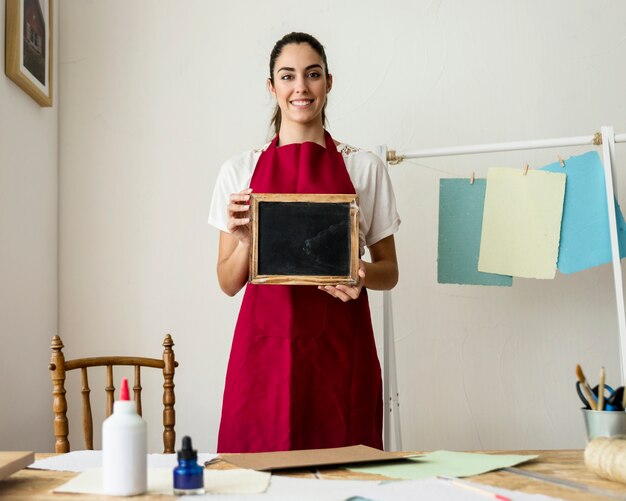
(562, 464)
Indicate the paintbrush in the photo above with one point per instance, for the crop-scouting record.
(586, 388)
(601, 390)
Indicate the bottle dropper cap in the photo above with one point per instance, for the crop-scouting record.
(187, 452)
(124, 390)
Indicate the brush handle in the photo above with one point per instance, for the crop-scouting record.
(591, 399)
(601, 390)
(586, 388)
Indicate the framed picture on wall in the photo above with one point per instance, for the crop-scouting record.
(29, 43)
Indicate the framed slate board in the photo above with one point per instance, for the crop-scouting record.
(304, 239)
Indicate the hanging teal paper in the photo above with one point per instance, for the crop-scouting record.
(460, 226)
(585, 239)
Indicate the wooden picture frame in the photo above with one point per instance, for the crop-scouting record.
(304, 239)
(29, 47)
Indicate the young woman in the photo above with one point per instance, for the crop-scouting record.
(303, 371)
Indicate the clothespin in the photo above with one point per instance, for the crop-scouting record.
(472, 178)
(561, 161)
(525, 169)
(597, 139)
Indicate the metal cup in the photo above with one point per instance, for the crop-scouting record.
(604, 423)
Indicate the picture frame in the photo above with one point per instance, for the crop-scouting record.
(29, 47)
(304, 239)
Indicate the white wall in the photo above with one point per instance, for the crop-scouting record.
(156, 95)
(28, 262)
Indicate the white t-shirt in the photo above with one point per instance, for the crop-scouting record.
(378, 217)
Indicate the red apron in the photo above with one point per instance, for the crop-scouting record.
(303, 371)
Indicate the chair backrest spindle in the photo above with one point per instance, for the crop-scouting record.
(169, 398)
(59, 403)
(137, 389)
(110, 391)
(87, 418)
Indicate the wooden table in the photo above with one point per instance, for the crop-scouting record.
(567, 465)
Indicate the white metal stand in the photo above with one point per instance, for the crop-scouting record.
(608, 149)
(391, 393)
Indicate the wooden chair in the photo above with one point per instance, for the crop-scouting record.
(59, 366)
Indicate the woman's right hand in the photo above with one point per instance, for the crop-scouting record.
(239, 215)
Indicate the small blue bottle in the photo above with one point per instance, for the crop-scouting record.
(188, 475)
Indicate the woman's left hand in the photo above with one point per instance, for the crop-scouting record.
(347, 292)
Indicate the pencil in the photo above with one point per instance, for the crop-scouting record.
(472, 487)
(583, 382)
(601, 390)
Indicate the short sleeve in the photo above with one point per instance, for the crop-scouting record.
(234, 176)
(385, 219)
(378, 214)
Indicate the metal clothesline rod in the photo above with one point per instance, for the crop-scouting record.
(592, 140)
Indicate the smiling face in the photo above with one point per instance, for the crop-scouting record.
(300, 85)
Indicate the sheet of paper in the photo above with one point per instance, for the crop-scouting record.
(437, 489)
(264, 461)
(522, 223)
(170, 460)
(78, 461)
(460, 227)
(160, 481)
(328, 490)
(432, 489)
(444, 463)
(585, 239)
(237, 481)
(90, 482)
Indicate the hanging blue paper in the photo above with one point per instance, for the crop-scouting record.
(585, 239)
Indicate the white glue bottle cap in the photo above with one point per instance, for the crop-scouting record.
(124, 450)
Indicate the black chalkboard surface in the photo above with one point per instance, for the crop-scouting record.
(304, 239)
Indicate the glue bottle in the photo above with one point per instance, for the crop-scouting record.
(188, 475)
(124, 452)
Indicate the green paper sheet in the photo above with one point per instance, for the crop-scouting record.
(445, 464)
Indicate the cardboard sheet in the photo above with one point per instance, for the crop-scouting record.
(12, 461)
(267, 461)
(522, 223)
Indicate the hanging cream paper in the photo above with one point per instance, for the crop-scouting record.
(521, 223)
